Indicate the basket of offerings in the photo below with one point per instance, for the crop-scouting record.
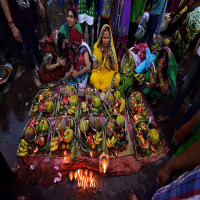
(68, 102)
(35, 137)
(128, 59)
(147, 140)
(118, 142)
(114, 102)
(64, 140)
(91, 136)
(5, 72)
(136, 108)
(43, 105)
(91, 104)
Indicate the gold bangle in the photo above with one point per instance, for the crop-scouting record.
(162, 84)
(153, 81)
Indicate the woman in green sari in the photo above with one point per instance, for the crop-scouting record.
(161, 80)
(71, 23)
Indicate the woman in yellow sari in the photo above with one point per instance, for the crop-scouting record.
(105, 66)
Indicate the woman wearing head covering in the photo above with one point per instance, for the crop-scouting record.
(71, 23)
(162, 78)
(105, 67)
(80, 56)
(54, 65)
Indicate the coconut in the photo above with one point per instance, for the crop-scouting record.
(110, 98)
(95, 123)
(110, 128)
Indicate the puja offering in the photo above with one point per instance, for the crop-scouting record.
(43, 104)
(103, 162)
(68, 102)
(92, 104)
(115, 129)
(64, 142)
(91, 135)
(147, 139)
(114, 102)
(136, 108)
(35, 138)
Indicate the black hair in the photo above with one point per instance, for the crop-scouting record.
(164, 54)
(73, 11)
(60, 41)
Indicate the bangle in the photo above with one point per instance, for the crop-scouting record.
(10, 23)
(162, 84)
(153, 81)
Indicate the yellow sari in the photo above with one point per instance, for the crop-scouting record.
(103, 77)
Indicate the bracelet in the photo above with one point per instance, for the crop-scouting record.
(10, 23)
(162, 84)
(153, 81)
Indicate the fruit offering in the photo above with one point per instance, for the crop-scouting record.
(68, 102)
(35, 138)
(64, 141)
(91, 104)
(116, 133)
(114, 102)
(91, 134)
(136, 107)
(44, 104)
(147, 138)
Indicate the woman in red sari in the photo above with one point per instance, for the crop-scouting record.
(54, 65)
(80, 57)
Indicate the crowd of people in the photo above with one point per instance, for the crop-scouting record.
(67, 58)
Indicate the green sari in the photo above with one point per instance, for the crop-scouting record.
(171, 76)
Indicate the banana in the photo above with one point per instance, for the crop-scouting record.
(25, 142)
(73, 108)
(108, 143)
(54, 148)
(96, 142)
(54, 139)
(53, 143)
(69, 112)
(99, 139)
(22, 154)
(23, 150)
(72, 111)
(23, 145)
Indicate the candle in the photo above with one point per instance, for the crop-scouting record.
(75, 175)
(86, 172)
(91, 174)
(80, 173)
(71, 174)
(104, 164)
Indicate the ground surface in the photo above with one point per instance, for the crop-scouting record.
(14, 115)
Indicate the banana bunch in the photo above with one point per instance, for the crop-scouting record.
(54, 144)
(122, 106)
(35, 107)
(23, 148)
(111, 142)
(84, 106)
(98, 138)
(72, 110)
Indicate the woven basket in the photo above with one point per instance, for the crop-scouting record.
(131, 55)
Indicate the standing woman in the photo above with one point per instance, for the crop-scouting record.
(80, 57)
(71, 23)
(105, 66)
(86, 13)
(120, 25)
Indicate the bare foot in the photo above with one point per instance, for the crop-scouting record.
(37, 82)
(163, 118)
(15, 168)
(174, 139)
(21, 198)
(19, 72)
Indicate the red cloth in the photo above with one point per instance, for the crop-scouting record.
(75, 37)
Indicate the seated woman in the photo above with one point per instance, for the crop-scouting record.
(105, 66)
(80, 56)
(71, 23)
(161, 80)
(54, 65)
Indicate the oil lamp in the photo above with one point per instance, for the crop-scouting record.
(103, 162)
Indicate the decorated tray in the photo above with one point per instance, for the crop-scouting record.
(147, 140)
(5, 71)
(91, 136)
(43, 105)
(67, 102)
(35, 137)
(114, 103)
(64, 141)
(91, 104)
(118, 142)
(136, 108)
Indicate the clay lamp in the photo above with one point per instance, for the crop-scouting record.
(103, 162)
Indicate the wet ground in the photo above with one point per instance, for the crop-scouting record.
(14, 109)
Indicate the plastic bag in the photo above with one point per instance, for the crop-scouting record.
(146, 63)
(137, 60)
